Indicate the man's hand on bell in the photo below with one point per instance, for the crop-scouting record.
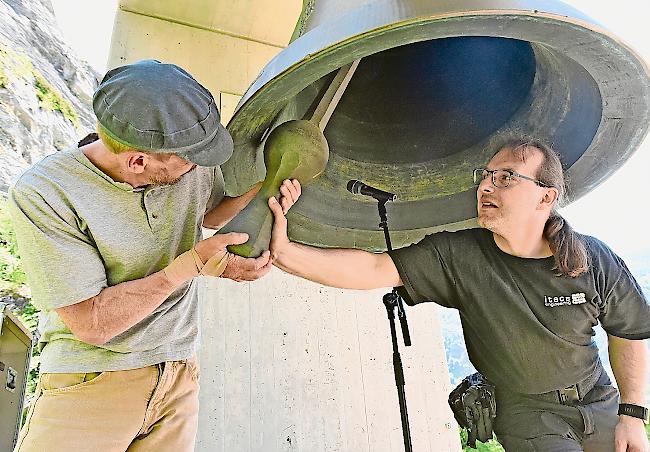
(216, 245)
(290, 192)
(228, 265)
(279, 238)
(210, 257)
(247, 269)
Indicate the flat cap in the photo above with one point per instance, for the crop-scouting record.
(160, 108)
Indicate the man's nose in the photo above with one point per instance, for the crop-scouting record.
(486, 185)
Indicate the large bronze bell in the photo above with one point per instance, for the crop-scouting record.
(438, 86)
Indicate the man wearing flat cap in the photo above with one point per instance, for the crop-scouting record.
(109, 233)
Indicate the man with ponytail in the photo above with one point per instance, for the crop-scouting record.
(529, 290)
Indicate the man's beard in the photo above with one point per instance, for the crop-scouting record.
(163, 178)
(489, 223)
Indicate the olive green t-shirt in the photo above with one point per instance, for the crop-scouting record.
(524, 327)
(79, 231)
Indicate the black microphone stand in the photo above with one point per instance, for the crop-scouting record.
(393, 300)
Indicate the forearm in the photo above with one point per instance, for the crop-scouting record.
(343, 268)
(117, 308)
(629, 362)
(228, 208)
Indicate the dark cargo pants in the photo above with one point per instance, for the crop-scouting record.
(537, 423)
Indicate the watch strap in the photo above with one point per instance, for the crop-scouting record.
(637, 411)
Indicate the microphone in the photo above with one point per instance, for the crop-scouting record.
(359, 188)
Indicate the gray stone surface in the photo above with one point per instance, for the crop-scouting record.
(31, 44)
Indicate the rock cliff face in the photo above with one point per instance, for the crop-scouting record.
(45, 90)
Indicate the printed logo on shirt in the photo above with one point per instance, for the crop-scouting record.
(575, 298)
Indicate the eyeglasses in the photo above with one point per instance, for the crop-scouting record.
(501, 177)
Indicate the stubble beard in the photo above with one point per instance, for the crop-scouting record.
(490, 223)
(163, 178)
(164, 181)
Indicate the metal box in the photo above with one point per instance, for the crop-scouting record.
(15, 352)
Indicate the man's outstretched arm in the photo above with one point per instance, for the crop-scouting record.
(344, 268)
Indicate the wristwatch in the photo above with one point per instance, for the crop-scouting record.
(637, 411)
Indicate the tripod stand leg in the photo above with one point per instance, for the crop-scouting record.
(391, 304)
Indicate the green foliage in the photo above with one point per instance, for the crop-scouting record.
(29, 316)
(13, 287)
(16, 64)
(494, 446)
(13, 282)
(52, 100)
(12, 277)
(491, 446)
(3, 77)
(19, 65)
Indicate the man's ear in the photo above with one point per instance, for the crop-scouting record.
(549, 198)
(136, 162)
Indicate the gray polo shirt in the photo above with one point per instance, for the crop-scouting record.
(79, 231)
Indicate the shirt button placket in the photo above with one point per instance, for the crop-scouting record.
(155, 207)
(150, 208)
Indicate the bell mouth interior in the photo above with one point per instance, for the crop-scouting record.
(430, 99)
(433, 99)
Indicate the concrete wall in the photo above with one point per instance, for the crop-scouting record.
(287, 364)
(223, 44)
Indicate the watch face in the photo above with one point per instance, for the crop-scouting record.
(634, 411)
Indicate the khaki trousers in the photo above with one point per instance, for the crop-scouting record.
(154, 408)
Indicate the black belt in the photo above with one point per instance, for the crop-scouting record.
(566, 396)
(576, 392)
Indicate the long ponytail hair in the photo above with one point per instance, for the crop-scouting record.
(568, 247)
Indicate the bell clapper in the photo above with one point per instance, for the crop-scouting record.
(333, 95)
